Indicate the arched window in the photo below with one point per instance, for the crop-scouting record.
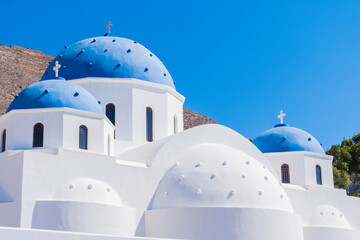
(3, 143)
(175, 124)
(149, 124)
(83, 137)
(285, 173)
(38, 135)
(318, 175)
(110, 112)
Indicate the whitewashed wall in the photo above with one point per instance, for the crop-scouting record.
(99, 130)
(11, 171)
(205, 223)
(326, 203)
(131, 97)
(31, 177)
(61, 129)
(36, 234)
(302, 167)
(325, 162)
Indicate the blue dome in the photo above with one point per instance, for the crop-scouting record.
(53, 94)
(109, 57)
(283, 138)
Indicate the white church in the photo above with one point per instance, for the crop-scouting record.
(96, 150)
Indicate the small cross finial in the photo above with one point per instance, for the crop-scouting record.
(281, 116)
(108, 27)
(56, 68)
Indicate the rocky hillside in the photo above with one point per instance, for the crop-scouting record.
(193, 119)
(18, 69)
(21, 66)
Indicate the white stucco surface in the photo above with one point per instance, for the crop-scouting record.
(131, 97)
(302, 166)
(214, 175)
(223, 223)
(205, 183)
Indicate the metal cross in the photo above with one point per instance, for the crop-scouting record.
(281, 117)
(56, 68)
(108, 27)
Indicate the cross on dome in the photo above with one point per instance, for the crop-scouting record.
(108, 27)
(281, 116)
(56, 68)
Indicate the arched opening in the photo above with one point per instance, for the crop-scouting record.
(318, 175)
(175, 124)
(38, 135)
(110, 112)
(149, 124)
(83, 137)
(3, 142)
(285, 173)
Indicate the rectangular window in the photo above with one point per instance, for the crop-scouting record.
(38, 137)
(3, 144)
(83, 132)
(149, 124)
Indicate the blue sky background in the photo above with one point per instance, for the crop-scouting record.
(238, 62)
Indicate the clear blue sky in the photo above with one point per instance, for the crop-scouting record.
(238, 62)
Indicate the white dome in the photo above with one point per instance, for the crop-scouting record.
(328, 216)
(88, 190)
(213, 175)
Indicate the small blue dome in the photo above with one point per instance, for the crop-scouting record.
(53, 94)
(283, 138)
(109, 57)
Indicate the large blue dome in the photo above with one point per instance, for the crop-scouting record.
(53, 94)
(283, 138)
(109, 57)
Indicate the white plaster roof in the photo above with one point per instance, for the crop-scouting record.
(214, 175)
(328, 216)
(175, 145)
(87, 190)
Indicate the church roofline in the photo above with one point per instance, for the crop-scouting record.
(133, 81)
(305, 153)
(60, 109)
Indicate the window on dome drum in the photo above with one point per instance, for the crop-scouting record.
(285, 173)
(110, 112)
(149, 124)
(318, 175)
(38, 136)
(3, 143)
(83, 137)
(175, 124)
